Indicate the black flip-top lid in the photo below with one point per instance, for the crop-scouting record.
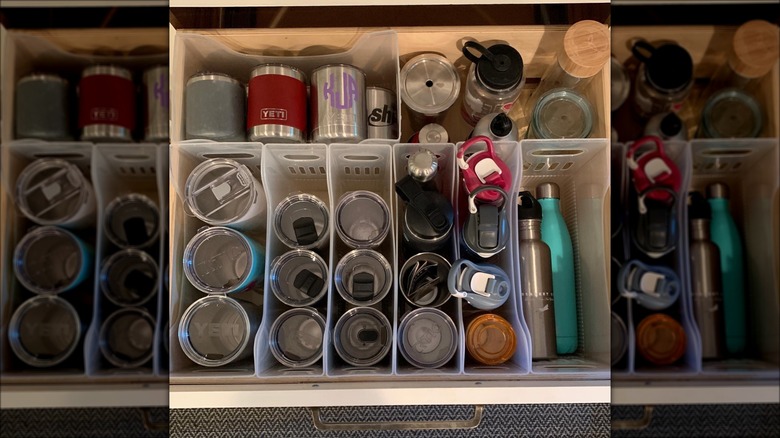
(668, 66)
(698, 207)
(501, 125)
(671, 125)
(528, 207)
(500, 67)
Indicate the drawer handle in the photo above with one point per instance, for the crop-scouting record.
(470, 423)
(635, 424)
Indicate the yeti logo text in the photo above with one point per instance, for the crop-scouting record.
(216, 329)
(336, 98)
(273, 114)
(104, 114)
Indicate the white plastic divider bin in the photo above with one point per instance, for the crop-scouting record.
(15, 157)
(751, 169)
(118, 171)
(113, 170)
(581, 169)
(237, 52)
(446, 182)
(290, 170)
(184, 158)
(507, 260)
(365, 167)
(682, 309)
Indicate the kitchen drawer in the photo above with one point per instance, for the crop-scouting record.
(113, 170)
(580, 167)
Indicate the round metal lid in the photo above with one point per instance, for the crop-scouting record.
(430, 84)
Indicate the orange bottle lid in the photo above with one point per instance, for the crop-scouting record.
(660, 339)
(490, 339)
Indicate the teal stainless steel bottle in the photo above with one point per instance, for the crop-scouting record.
(556, 236)
(725, 235)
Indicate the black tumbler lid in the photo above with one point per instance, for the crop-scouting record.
(501, 125)
(528, 207)
(670, 67)
(671, 125)
(698, 207)
(500, 67)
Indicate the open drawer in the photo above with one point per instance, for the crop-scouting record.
(329, 171)
(112, 171)
(744, 165)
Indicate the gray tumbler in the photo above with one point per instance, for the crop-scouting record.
(215, 108)
(42, 107)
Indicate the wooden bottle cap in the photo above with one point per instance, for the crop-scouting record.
(585, 49)
(755, 49)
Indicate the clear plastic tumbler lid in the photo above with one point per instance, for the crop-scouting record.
(127, 338)
(563, 113)
(44, 331)
(362, 336)
(299, 278)
(51, 191)
(363, 277)
(214, 331)
(732, 113)
(218, 260)
(428, 338)
(129, 277)
(301, 221)
(132, 221)
(220, 191)
(296, 337)
(50, 260)
(362, 219)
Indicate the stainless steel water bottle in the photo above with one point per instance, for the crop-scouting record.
(705, 279)
(536, 278)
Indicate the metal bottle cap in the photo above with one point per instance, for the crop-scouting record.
(422, 165)
(433, 133)
(718, 190)
(548, 190)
